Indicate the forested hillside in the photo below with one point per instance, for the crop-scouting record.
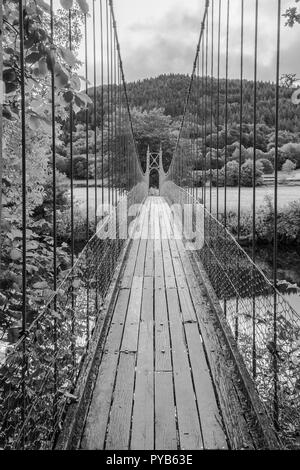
(169, 92)
(157, 105)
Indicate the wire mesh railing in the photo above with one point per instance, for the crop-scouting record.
(221, 109)
(67, 125)
(248, 300)
(39, 375)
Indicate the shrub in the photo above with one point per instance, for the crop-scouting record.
(232, 173)
(244, 154)
(288, 223)
(288, 166)
(218, 177)
(79, 166)
(62, 164)
(247, 174)
(200, 178)
(267, 166)
(292, 152)
(282, 156)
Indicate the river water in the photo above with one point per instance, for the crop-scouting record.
(288, 269)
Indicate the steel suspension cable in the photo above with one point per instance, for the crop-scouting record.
(218, 108)
(211, 102)
(24, 214)
(102, 102)
(275, 242)
(54, 212)
(73, 349)
(241, 117)
(95, 116)
(226, 113)
(254, 192)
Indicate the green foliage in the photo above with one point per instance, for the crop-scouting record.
(288, 166)
(245, 154)
(292, 16)
(169, 91)
(267, 166)
(288, 223)
(39, 237)
(153, 128)
(292, 152)
(42, 57)
(232, 173)
(247, 174)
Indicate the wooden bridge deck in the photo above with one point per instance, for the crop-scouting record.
(154, 389)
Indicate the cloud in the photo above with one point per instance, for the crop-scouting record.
(162, 42)
(160, 37)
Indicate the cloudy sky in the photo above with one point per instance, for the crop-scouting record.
(160, 36)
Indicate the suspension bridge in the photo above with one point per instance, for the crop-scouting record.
(164, 334)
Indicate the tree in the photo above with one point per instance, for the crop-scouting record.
(288, 166)
(1, 110)
(42, 58)
(292, 16)
(267, 166)
(152, 128)
(247, 174)
(244, 154)
(232, 173)
(292, 152)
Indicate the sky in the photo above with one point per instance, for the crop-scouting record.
(160, 36)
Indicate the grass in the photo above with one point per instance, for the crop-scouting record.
(286, 194)
(80, 198)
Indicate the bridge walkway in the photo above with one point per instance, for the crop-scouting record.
(154, 389)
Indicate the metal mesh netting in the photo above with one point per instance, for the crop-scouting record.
(40, 365)
(258, 315)
(38, 377)
(265, 326)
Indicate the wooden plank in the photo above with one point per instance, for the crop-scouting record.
(186, 304)
(168, 264)
(140, 261)
(130, 338)
(162, 336)
(118, 432)
(96, 423)
(188, 419)
(166, 220)
(165, 422)
(130, 265)
(170, 280)
(235, 423)
(159, 271)
(149, 261)
(158, 265)
(151, 221)
(143, 408)
(143, 412)
(222, 370)
(145, 228)
(211, 421)
(155, 215)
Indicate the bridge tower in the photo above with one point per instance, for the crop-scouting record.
(155, 163)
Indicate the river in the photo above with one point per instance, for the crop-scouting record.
(288, 269)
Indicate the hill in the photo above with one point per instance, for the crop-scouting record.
(169, 92)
